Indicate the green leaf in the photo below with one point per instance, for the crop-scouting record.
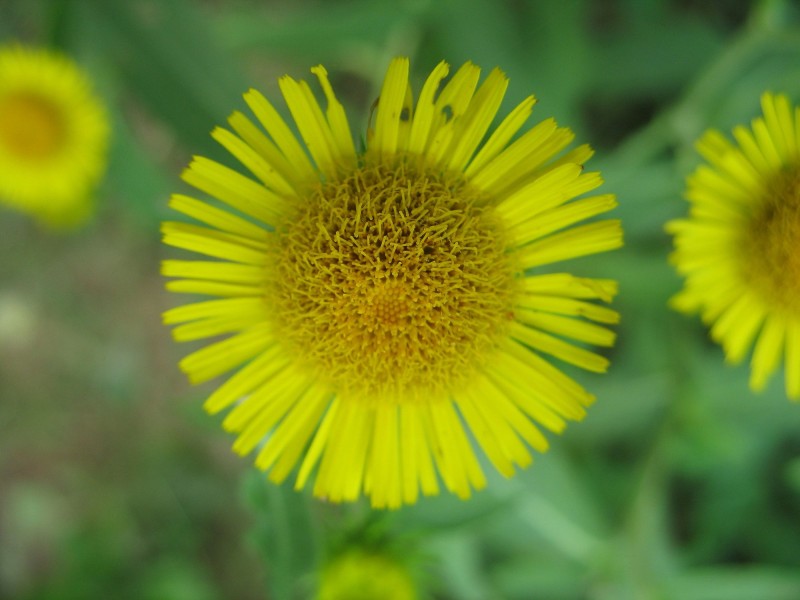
(286, 532)
(539, 575)
(133, 179)
(173, 65)
(735, 583)
(326, 30)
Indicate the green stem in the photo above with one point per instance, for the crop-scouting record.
(644, 543)
(280, 570)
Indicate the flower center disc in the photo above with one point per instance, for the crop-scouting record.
(30, 127)
(772, 259)
(392, 283)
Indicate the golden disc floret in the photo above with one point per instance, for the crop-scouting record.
(391, 283)
(30, 126)
(771, 260)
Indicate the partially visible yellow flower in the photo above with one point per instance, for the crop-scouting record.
(739, 249)
(360, 575)
(53, 136)
(385, 303)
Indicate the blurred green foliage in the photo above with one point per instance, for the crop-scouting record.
(680, 485)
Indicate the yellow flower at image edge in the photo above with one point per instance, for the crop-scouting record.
(739, 247)
(381, 301)
(360, 575)
(53, 136)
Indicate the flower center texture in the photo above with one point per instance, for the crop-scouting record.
(390, 282)
(772, 260)
(31, 128)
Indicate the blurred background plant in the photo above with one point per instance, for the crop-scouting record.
(680, 484)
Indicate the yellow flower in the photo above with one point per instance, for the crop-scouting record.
(739, 249)
(53, 136)
(382, 300)
(358, 575)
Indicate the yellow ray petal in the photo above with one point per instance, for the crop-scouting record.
(569, 327)
(723, 155)
(265, 148)
(513, 414)
(578, 241)
(234, 189)
(510, 158)
(264, 366)
(567, 306)
(713, 145)
(751, 149)
(493, 408)
(221, 357)
(560, 382)
(569, 286)
(539, 195)
(501, 136)
(456, 96)
(793, 359)
(265, 410)
(737, 325)
(768, 351)
(476, 121)
(311, 123)
(318, 444)
(255, 414)
(417, 453)
(341, 471)
(254, 162)
(390, 106)
(548, 344)
(212, 288)
(514, 165)
(210, 309)
(217, 326)
(767, 144)
(281, 134)
(213, 243)
(744, 324)
(578, 156)
(485, 435)
(219, 219)
(422, 120)
(561, 217)
(527, 386)
(456, 461)
(283, 449)
(340, 127)
(218, 271)
(383, 470)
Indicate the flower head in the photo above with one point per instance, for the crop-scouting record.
(738, 249)
(53, 136)
(362, 575)
(382, 302)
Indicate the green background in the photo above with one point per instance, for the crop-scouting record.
(680, 484)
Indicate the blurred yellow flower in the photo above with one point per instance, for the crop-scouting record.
(53, 136)
(359, 575)
(382, 299)
(739, 249)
